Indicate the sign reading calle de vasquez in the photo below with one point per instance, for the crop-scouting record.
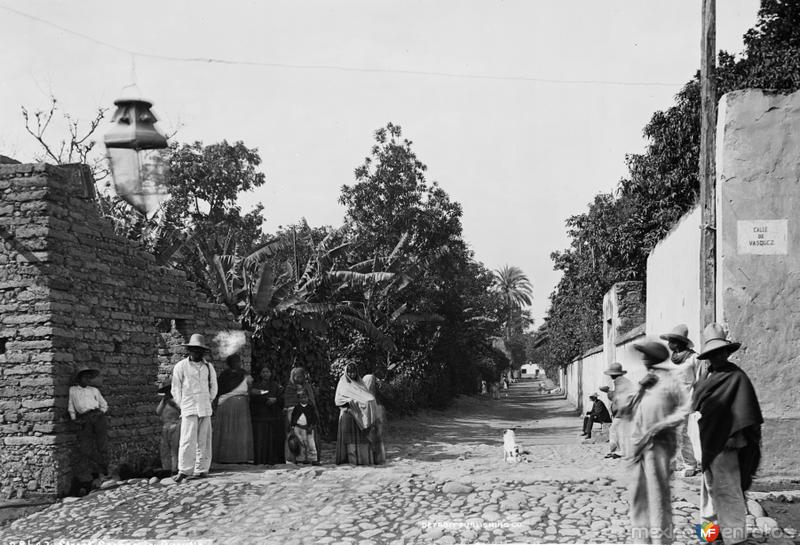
(764, 237)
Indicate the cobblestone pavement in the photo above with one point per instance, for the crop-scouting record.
(446, 482)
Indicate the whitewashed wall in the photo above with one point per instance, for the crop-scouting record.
(673, 280)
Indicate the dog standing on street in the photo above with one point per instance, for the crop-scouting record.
(511, 450)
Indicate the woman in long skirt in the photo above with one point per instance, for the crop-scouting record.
(266, 410)
(357, 413)
(232, 429)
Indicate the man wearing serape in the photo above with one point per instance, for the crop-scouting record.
(730, 436)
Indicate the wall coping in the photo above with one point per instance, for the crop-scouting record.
(638, 331)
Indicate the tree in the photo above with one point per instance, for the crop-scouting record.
(516, 291)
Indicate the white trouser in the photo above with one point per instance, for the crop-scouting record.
(722, 499)
(194, 454)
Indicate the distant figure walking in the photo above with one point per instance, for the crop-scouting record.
(194, 385)
(658, 409)
(376, 434)
(730, 434)
(87, 408)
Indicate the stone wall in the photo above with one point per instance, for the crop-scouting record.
(758, 241)
(72, 293)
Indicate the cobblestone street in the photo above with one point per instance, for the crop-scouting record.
(446, 482)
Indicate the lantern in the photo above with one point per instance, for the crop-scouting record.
(134, 145)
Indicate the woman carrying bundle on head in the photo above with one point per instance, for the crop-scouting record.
(358, 412)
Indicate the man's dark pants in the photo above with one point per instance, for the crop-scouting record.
(92, 444)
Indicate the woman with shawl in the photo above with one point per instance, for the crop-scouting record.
(357, 414)
(298, 380)
(378, 429)
(232, 431)
(266, 410)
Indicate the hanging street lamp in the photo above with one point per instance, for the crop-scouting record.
(133, 146)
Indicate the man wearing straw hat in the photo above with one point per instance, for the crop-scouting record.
(620, 396)
(87, 408)
(687, 371)
(657, 410)
(730, 436)
(194, 386)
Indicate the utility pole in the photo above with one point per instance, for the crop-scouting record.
(708, 193)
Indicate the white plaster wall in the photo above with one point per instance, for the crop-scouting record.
(758, 296)
(571, 387)
(673, 280)
(593, 378)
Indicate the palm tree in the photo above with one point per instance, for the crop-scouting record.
(516, 291)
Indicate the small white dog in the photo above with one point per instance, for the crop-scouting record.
(511, 450)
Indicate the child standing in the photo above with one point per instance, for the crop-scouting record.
(303, 421)
(170, 415)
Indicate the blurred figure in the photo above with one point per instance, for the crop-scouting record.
(620, 433)
(657, 410)
(687, 371)
(376, 435)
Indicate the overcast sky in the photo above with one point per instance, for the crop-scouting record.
(521, 153)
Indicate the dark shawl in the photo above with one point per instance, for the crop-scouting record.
(259, 408)
(728, 405)
(228, 380)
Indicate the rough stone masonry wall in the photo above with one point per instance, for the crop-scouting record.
(72, 293)
(758, 169)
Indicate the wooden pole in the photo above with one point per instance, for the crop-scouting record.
(708, 128)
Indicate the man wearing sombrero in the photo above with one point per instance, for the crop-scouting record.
(620, 396)
(194, 386)
(730, 436)
(657, 410)
(687, 371)
(87, 408)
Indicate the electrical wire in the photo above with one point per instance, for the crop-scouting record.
(234, 62)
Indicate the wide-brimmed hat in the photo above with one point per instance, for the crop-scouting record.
(653, 351)
(614, 370)
(679, 333)
(716, 339)
(86, 369)
(593, 396)
(197, 341)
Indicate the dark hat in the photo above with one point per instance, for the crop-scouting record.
(197, 341)
(614, 370)
(593, 396)
(604, 389)
(716, 339)
(679, 333)
(653, 351)
(86, 369)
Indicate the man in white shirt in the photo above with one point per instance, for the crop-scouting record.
(194, 387)
(87, 409)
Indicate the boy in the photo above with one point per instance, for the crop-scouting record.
(303, 421)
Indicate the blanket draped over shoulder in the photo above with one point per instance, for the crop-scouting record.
(728, 404)
(353, 394)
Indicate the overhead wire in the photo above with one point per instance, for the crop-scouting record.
(298, 66)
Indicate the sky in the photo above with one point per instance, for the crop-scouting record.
(522, 110)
